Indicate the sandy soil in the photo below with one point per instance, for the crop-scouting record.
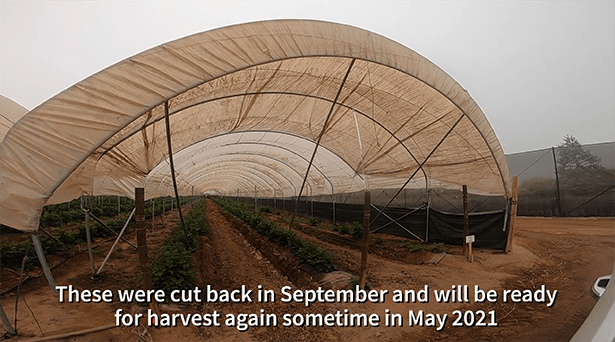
(563, 254)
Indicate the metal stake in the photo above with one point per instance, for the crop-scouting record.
(41, 258)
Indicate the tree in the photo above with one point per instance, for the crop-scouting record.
(572, 156)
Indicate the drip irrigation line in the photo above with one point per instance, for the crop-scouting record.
(33, 316)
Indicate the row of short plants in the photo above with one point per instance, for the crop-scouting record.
(12, 252)
(59, 215)
(354, 229)
(172, 267)
(306, 251)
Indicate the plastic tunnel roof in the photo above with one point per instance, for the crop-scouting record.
(248, 104)
(10, 112)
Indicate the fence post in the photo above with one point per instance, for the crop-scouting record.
(365, 244)
(88, 234)
(142, 243)
(558, 198)
(466, 228)
(513, 214)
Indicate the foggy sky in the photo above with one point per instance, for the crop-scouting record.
(539, 70)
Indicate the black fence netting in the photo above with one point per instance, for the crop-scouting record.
(568, 180)
(572, 180)
(414, 223)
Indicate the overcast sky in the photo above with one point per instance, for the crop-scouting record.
(539, 70)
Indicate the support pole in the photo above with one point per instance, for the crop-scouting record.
(153, 212)
(116, 241)
(142, 243)
(170, 149)
(558, 198)
(513, 214)
(43, 262)
(88, 235)
(466, 227)
(420, 167)
(396, 221)
(7, 323)
(312, 203)
(164, 224)
(118, 205)
(322, 132)
(334, 222)
(111, 230)
(255, 198)
(365, 244)
(427, 216)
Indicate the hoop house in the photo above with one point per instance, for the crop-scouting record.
(267, 105)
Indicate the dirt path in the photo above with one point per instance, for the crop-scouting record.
(564, 254)
(237, 263)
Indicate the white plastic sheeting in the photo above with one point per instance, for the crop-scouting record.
(247, 104)
(10, 112)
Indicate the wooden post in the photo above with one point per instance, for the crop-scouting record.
(88, 235)
(470, 255)
(513, 214)
(118, 205)
(466, 228)
(164, 224)
(142, 243)
(365, 244)
(427, 216)
(334, 210)
(153, 211)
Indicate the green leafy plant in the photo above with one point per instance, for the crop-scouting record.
(437, 248)
(306, 251)
(354, 281)
(415, 248)
(173, 267)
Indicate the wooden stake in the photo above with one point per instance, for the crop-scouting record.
(88, 236)
(142, 243)
(513, 214)
(364, 247)
(466, 228)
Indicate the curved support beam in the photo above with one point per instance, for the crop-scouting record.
(392, 134)
(250, 169)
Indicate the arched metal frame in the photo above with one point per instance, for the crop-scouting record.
(126, 76)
